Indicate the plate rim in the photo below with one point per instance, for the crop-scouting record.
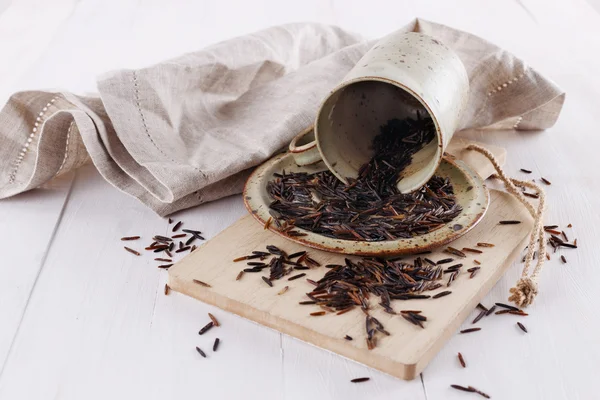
(463, 167)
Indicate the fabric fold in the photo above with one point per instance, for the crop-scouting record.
(190, 130)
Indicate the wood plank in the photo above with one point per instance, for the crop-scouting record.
(408, 351)
(27, 28)
(99, 313)
(566, 290)
(28, 224)
(246, 235)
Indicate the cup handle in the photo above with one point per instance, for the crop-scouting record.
(304, 147)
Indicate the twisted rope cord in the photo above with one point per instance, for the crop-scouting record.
(526, 288)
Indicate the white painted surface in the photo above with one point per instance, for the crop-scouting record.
(82, 319)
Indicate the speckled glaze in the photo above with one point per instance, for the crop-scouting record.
(403, 75)
(470, 191)
(304, 148)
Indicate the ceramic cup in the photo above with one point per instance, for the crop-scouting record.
(402, 75)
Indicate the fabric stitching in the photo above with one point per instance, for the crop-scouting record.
(36, 125)
(505, 84)
(496, 90)
(66, 149)
(139, 107)
(516, 125)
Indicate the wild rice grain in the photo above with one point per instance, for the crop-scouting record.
(472, 250)
(165, 266)
(462, 360)
(569, 245)
(132, 251)
(213, 319)
(199, 350)
(479, 392)
(508, 307)
(478, 317)
(130, 238)
(520, 312)
(509, 222)
(525, 171)
(275, 250)
(296, 277)
(348, 337)
(282, 291)
(470, 330)
(267, 281)
(163, 239)
(344, 311)
(563, 259)
(464, 389)
(483, 244)
(298, 254)
(546, 181)
(358, 380)
(441, 294)
(268, 223)
(194, 233)
(452, 277)
(318, 313)
(520, 325)
(206, 328)
(456, 252)
(166, 289)
(201, 283)
(216, 344)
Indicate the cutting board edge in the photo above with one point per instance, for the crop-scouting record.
(484, 289)
(336, 346)
(407, 369)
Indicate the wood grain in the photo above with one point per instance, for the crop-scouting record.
(126, 340)
(408, 350)
(253, 299)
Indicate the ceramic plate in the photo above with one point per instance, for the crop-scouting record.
(469, 189)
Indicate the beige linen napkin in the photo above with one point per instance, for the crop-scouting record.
(189, 130)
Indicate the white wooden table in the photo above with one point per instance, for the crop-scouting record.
(79, 319)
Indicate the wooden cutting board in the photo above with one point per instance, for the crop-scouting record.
(407, 351)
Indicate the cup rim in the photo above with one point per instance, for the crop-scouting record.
(299, 149)
(439, 134)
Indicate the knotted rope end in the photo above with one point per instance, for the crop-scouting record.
(524, 292)
(526, 289)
